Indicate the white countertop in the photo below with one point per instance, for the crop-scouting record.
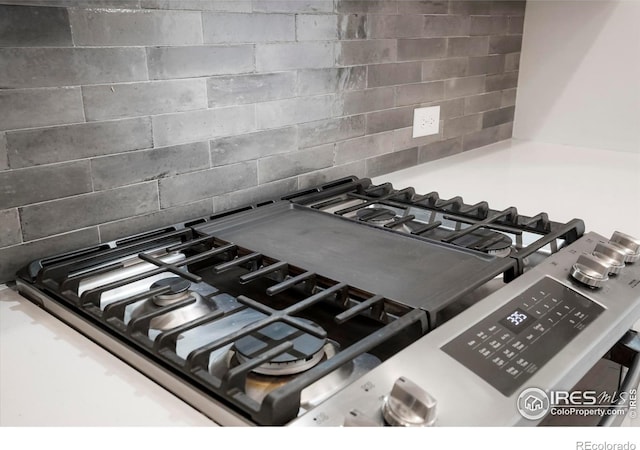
(51, 375)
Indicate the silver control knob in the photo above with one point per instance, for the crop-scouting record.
(590, 270)
(628, 244)
(610, 255)
(408, 405)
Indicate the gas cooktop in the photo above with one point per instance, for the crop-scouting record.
(355, 304)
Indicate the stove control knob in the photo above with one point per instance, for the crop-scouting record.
(408, 405)
(628, 244)
(590, 270)
(610, 255)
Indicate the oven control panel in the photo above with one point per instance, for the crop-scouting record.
(507, 347)
(542, 331)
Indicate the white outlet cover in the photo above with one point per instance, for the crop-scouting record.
(426, 121)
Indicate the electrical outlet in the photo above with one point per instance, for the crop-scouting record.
(426, 121)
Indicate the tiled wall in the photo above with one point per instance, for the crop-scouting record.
(119, 116)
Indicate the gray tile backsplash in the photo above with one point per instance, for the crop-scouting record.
(121, 116)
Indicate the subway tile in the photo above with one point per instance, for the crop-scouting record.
(512, 62)
(32, 26)
(69, 142)
(440, 149)
(367, 100)
(389, 119)
(367, 6)
(403, 138)
(508, 97)
(505, 44)
(484, 65)
(391, 162)
(187, 188)
(146, 165)
(253, 195)
(4, 163)
(326, 81)
(450, 108)
(112, 101)
(440, 69)
(445, 25)
(236, 90)
(516, 25)
(363, 147)
(414, 49)
(391, 74)
(199, 5)
(38, 184)
(482, 102)
(355, 26)
(498, 82)
(461, 87)
(200, 61)
(234, 28)
(120, 4)
(296, 55)
(486, 25)
(280, 113)
(110, 27)
(293, 6)
(318, 177)
(46, 67)
(373, 51)
(253, 145)
(411, 94)
(498, 117)
(423, 7)
(332, 130)
(468, 46)
(10, 233)
(462, 125)
(470, 7)
(16, 257)
(487, 136)
(508, 7)
(118, 229)
(28, 108)
(193, 126)
(58, 216)
(316, 27)
(287, 165)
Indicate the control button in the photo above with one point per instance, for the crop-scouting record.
(590, 270)
(628, 244)
(611, 255)
(356, 418)
(408, 405)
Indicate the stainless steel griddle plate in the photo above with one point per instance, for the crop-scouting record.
(419, 273)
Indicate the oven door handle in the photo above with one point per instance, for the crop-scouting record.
(631, 382)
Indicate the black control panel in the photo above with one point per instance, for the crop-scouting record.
(507, 347)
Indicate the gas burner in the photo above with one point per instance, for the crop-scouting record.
(179, 290)
(376, 215)
(307, 350)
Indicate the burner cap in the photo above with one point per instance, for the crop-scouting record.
(381, 214)
(307, 350)
(488, 241)
(178, 285)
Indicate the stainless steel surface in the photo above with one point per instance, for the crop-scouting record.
(464, 398)
(409, 405)
(590, 270)
(629, 244)
(611, 256)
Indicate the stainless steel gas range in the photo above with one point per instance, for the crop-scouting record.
(359, 304)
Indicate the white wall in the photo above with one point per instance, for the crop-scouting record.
(579, 80)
